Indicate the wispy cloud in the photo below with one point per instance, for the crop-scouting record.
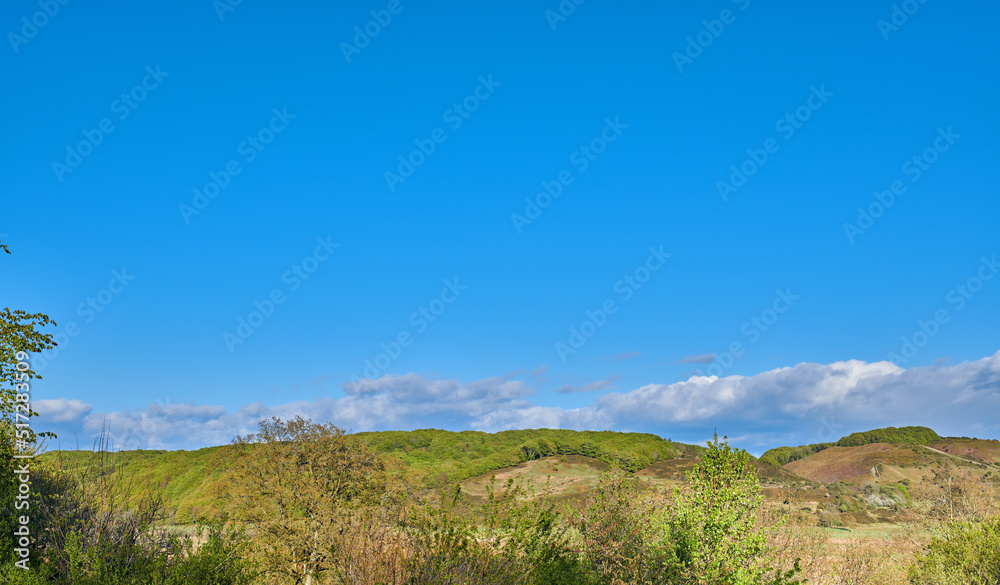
(705, 358)
(591, 387)
(623, 357)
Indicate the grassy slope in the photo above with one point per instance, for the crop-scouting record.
(903, 435)
(854, 464)
(986, 450)
(898, 461)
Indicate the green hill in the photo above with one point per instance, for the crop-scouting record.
(186, 479)
(446, 456)
(903, 435)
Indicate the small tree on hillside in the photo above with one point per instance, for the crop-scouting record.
(299, 483)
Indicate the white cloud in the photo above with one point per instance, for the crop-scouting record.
(959, 399)
(60, 409)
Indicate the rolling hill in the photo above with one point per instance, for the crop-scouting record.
(186, 480)
(565, 465)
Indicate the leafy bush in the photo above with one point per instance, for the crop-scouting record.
(175, 561)
(617, 529)
(713, 528)
(515, 539)
(706, 534)
(966, 554)
(301, 485)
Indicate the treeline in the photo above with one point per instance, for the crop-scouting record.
(782, 455)
(906, 435)
(447, 457)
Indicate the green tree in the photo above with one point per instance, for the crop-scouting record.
(19, 337)
(713, 527)
(301, 485)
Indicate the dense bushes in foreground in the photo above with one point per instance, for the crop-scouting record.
(968, 553)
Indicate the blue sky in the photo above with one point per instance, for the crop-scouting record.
(296, 123)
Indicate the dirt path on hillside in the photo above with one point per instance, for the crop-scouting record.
(986, 465)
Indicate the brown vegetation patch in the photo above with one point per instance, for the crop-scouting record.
(855, 464)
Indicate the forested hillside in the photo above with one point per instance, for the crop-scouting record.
(187, 479)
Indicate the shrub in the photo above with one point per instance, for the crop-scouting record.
(301, 484)
(514, 540)
(95, 526)
(966, 554)
(618, 533)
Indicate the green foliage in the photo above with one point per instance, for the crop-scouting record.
(905, 435)
(220, 560)
(706, 534)
(713, 527)
(188, 480)
(967, 554)
(185, 480)
(20, 335)
(783, 455)
(619, 533)
(515, 539)
(468, 453)
(300, 484)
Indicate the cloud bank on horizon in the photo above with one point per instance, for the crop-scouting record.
(804, 403)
